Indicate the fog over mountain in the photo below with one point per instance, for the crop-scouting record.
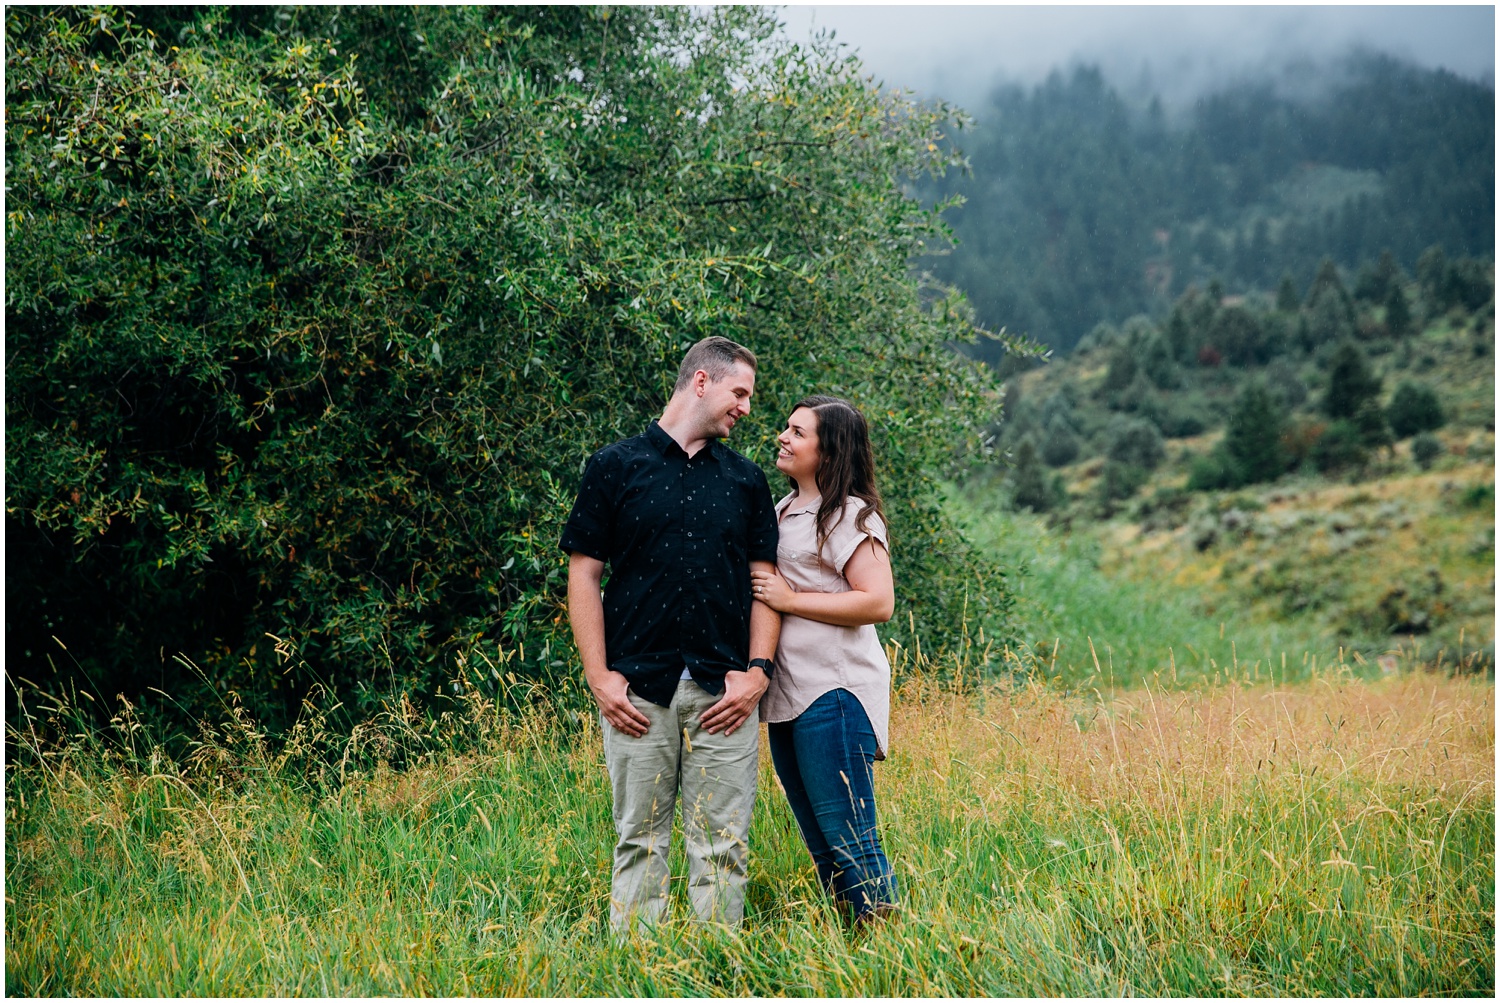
(959, 53)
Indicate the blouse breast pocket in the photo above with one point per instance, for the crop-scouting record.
(804, 570)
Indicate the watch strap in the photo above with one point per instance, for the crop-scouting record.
(764, 664)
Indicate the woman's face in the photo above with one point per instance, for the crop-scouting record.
(799, 457)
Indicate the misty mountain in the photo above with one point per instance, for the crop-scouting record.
(1082, 206)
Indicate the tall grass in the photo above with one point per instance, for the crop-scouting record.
(1096, 630)
(1238, 836)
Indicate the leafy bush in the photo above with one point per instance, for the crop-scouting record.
(1339, 448)
(1215, 471)
(1117, 481)
(1414, 408)
(1425, 449)
(1180, 415)
(1136, 443)
(1165, 509)
(310, 332)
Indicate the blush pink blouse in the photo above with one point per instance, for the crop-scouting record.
(813, 658)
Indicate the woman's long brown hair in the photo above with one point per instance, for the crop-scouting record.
(846, 466)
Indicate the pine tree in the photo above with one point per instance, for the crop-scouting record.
(1375, 281)
(1253, 437)
(1350, 382)
(1374, 430)
(1327, 282)
(1060, 446)
(1398, 318)
(1028, 481)
(1329, 317)
(1287, 300)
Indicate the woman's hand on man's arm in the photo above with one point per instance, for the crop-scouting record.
(871, 599)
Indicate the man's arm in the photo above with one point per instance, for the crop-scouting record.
(586, 614)
(742, 690)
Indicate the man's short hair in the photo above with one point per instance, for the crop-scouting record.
(714, 355)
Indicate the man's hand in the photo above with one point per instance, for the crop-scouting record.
(609, 688)
(586, 613)
(742, 692)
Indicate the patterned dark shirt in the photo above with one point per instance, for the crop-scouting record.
(678, 534)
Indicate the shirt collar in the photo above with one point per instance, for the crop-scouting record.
(786, 503)
(668, 446)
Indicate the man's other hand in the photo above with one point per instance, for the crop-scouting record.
(610, 692)
(742, 692)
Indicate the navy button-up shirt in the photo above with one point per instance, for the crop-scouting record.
(678, 534)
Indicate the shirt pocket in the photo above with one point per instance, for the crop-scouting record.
(803, 569)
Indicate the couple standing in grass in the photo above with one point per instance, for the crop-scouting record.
(722, 610)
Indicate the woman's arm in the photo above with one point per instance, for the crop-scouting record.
(872, 598)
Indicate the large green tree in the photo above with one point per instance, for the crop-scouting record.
(314, 314)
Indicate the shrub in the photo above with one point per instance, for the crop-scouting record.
(1339, 448)
(1425, 449)
(1216, 471)
(1136, 443)
(1157, 363)
(1414, 408)
(1117, 481)
(1179, 421)
(1165, 509)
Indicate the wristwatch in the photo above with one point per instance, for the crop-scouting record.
(764, 664)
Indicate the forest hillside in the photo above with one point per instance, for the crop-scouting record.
(1323, 457)
(1082, 206)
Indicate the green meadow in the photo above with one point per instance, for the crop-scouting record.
(1226, 835)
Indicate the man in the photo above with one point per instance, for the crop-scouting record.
(676, 651)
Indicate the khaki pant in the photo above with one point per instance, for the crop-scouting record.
(716, 775)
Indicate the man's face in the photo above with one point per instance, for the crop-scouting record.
(723, 403)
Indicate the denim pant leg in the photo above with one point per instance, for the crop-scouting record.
(824, 760)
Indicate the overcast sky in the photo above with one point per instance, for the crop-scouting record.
(958, 52)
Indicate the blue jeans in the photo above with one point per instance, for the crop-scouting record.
(824, 760)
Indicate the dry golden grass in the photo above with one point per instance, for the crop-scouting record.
(1416, 729)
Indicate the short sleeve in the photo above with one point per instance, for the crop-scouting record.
(847, 537)
(763, 532)
(590, 526)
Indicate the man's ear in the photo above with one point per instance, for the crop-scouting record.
(700, 382)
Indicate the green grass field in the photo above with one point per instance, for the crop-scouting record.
(1140, 629)
(1331, 837)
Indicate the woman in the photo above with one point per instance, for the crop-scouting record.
(828, 705)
